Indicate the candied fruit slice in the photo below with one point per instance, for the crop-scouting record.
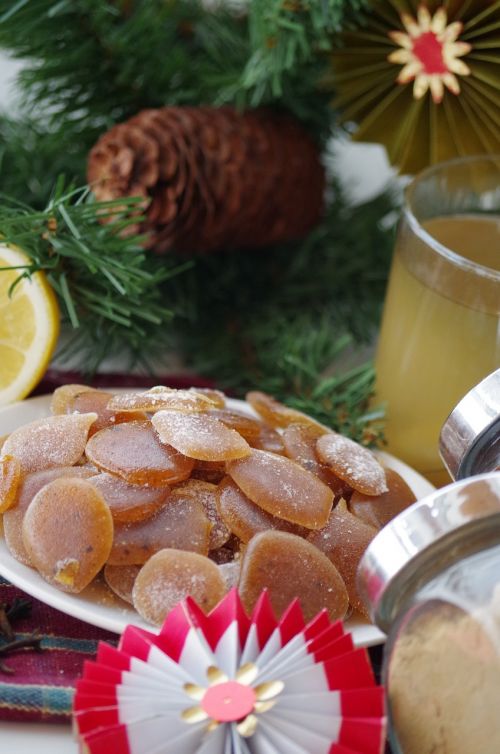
(206, 494)
(230, 572)
(277, 414)
(79, 399)
(378, 511)
(300, 445)
(283, 488)
(76, 508)
(353, 463)
(181, 524)
(209, 471)
(244, 518)
(129, 502)
(50, 442)
(268, 439)
(28, 488)
(161, 398)
(10, 476)
(344, 540)
(216, 396)
(245, 425)
(199, 436)
(120, 580)
(288, 567)
(63, 397)
(133, 452)
(172, 575)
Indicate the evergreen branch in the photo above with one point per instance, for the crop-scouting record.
(92, 63)
(286, 320)
(108, 288)
(150, 53)
(285, 35)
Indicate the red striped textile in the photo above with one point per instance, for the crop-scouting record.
(42, 685)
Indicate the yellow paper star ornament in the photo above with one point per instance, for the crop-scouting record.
(422, 78)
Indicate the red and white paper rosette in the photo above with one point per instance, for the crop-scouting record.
(229, 684)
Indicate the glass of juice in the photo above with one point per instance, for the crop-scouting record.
(440, 332)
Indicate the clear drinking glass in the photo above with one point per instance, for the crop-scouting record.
(440, 332)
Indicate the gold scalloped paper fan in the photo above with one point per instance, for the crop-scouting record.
(423, 79)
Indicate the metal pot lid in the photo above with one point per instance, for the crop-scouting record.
(469, 443)
(426, 538)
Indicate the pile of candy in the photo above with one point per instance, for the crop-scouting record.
(173, 492)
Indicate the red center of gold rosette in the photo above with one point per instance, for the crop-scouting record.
(228, 702)
(430, 53)
(429, 50)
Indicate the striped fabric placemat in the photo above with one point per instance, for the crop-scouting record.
(40, 687)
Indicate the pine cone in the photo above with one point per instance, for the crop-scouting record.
(212, 178)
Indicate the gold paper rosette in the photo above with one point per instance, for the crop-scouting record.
(423, 79)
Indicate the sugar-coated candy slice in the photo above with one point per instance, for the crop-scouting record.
(80, 399)
(288, 567)
(275, 413)
(181, 524)
(28, 488)
(10, 475)
(120, 580)
(244, 518)
(160, 397)
(209, 471)
(129, 502)
(3, 439)
(283, 488)
(300, 445)
(172, 575)
(216, 396)
(245, 425)
(133, 452)
(344, 540)
(268, 439)
(68, 533)
(378, 511)
(230, 572)
(50, 442)
(206, 494)
(63, 397)
(353, 463)
(199, 436)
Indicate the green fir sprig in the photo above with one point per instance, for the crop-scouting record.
(109, 289)
(291, 319)
(92, 63)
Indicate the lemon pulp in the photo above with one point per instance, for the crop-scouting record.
(29, 326)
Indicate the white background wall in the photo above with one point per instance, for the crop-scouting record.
(8, 71)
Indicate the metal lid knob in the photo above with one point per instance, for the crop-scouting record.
(469, 443)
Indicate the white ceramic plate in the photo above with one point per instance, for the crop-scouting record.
(95, 604)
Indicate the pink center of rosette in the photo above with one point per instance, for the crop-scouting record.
(228, 702)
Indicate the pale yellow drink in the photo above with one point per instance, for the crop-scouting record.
(440, 333)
